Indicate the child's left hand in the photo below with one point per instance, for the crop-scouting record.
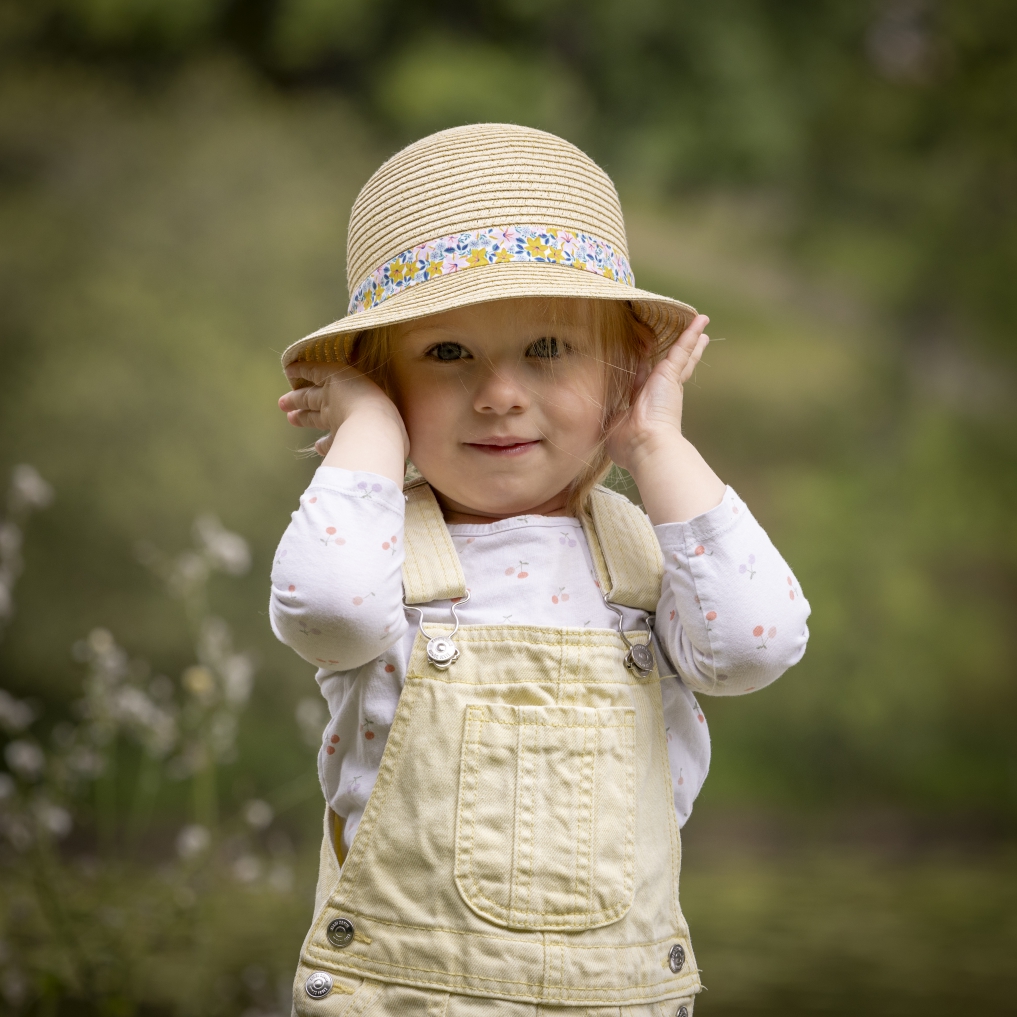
(656, 411)
(674, 481)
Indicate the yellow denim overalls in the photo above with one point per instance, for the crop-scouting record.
(519, 853)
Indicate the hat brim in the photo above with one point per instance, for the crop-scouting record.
(665, 316)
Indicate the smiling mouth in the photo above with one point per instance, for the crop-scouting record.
(503, 447)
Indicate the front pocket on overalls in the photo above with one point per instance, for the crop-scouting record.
(545, 824)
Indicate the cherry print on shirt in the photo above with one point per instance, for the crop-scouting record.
(366, 727)
(793, 592)
(681, 777)
(742, 569)
(561, 596)
(390, 544)
(758, 633)
(673, 613)
(357, 601)
(520, 574)
(292, 588)
(711, 616)
(368, 492)
(309, 632)
(331, 538)
(389, 668)
(566, 539)
(313, 500)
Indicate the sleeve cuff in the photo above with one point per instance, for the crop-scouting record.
(359, 484)
(720, 519)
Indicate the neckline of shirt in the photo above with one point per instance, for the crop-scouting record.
(512, 523)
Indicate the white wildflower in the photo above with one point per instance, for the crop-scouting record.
(199, 682)
(85, 762)
(227, 551)
(193, 840)
(258, 814)
(28, 489)
(25, 758)
(247, 868)
(53, 818)
(238, 677)
(15, 714)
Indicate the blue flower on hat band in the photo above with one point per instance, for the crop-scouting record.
(494, 245)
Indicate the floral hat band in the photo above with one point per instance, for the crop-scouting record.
(494, 245)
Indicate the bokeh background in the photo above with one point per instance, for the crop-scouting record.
(833, 181)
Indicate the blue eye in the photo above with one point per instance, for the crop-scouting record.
(448, 351)
(546, 348)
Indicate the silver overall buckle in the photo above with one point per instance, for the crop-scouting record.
(640, 657)
(442, 651)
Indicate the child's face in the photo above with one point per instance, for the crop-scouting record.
(502, 404)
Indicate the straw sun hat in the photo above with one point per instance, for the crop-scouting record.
(485, 212)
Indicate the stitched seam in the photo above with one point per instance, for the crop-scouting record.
(695, 590)
(379, 794)
(471, 934)
(676, 985)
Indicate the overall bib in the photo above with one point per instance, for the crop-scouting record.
(519, 853)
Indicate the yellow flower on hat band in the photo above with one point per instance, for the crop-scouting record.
(494, 245)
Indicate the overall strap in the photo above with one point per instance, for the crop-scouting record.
(625, 550)
(431, 570)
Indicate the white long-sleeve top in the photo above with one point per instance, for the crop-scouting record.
(731, 616)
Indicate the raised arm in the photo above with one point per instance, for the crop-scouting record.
(731, 615)
(337, 575)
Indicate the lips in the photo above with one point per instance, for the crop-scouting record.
(504, 445)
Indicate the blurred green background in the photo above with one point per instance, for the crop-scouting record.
(834, 182)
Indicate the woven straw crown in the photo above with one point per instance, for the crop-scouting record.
(485, 212)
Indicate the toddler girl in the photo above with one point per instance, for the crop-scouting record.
(508, 650)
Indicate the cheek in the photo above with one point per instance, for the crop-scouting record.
(429, 414)
(577, 411)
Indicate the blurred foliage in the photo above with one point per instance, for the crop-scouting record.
(884, 132)
(835, 183)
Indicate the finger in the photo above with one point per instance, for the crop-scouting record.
(694, 357)
(323, 444)
(307, 418)
(309, 398)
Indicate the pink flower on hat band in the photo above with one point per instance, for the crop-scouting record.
(494, 245)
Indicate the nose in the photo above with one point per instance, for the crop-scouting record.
(501, 391)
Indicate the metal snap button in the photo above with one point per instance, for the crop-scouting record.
(683, 1011)
(642, 657)
(340, 932)
(318, 984)
(676, 958)
(442, 652)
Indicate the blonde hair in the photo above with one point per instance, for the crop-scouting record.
(622, 343)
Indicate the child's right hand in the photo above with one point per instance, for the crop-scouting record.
(365, 430)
